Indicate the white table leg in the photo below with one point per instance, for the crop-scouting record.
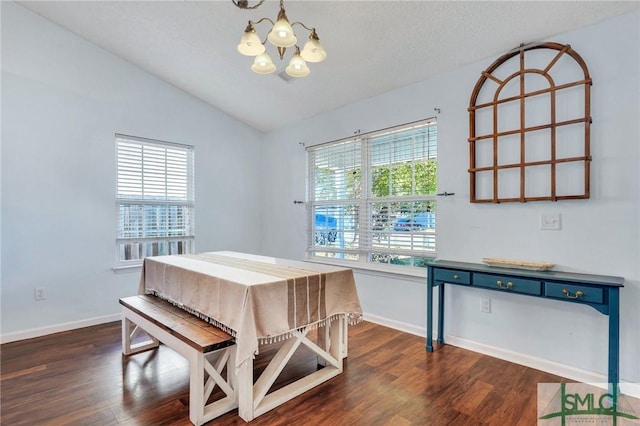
(333, 335)
(244, 389)
(254, 401)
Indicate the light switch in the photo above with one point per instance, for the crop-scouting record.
(550, 221)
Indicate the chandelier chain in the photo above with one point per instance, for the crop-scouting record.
(244, 4)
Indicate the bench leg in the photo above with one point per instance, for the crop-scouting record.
(200, 390)
(129, 332)
(196, 389)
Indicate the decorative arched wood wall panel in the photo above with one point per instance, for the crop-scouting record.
(529, 127)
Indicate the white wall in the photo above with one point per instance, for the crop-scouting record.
(63, 99)
(600, 235)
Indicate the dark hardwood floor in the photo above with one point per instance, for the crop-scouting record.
(81, 378)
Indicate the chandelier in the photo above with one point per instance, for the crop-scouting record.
(281, 36)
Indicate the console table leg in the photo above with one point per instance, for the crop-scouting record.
(430, 310)
(614, 336)
(441, 313)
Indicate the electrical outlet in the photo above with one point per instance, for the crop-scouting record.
(40, 293)
(485, 305)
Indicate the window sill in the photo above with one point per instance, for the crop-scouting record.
(126, 269)
(418, 275)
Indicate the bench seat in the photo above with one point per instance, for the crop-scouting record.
(195, 332)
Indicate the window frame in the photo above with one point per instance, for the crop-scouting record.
(180, 208)
(365, 202)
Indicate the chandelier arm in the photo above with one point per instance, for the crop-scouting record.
(303, 25)
(245, 4)
(262, 20)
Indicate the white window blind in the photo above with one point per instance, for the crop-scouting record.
(155, 199)
(373, 198)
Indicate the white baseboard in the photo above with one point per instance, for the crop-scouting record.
(562, 370)
(57, 328)
(542, 364)
(397, 325)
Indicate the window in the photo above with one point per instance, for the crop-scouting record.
(155, 199)
(372, 197)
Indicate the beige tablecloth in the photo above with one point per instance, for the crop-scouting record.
(257, 299)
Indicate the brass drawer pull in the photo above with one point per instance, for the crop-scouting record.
(509, 284)
(568, 293)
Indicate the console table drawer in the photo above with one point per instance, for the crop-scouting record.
(512, 284)
(454, 277)
(573, 293)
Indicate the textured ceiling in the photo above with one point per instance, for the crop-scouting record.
(373, 46)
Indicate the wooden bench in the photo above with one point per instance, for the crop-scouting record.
(207, 348)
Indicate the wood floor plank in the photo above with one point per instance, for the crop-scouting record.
(81, 378)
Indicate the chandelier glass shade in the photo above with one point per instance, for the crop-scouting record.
(297, 67)
(281, 36)
(263, 64)
(250, 43)
(313, 50)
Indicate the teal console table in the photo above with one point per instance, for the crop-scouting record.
(597, 291)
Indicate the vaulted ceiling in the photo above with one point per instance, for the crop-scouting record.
(373, 46)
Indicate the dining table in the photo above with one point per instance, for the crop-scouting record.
(261, 300)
